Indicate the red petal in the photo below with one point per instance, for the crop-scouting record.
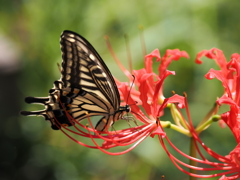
(155, 53)
(177, 99)
(158, 131)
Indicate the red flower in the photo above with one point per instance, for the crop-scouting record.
(150, 85)
(228, 167)
(153, 102)
(229, 75)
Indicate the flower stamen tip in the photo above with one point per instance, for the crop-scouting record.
(185, 94)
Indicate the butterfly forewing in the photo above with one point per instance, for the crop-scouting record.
(83, 68)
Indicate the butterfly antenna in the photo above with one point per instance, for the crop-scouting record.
(131, 87)
(129, 56)
(141, 29)
(129, 96)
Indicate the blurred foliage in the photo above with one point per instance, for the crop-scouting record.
(31, 150)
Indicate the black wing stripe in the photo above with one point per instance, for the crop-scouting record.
(87, 78)
(81, 56)
(90, 99)
(86, 106)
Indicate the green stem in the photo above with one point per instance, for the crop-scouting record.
(168, 124)
(193, 153)
(177, 117)
(207, 123)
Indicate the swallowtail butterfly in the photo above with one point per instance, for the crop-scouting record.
(86, 88)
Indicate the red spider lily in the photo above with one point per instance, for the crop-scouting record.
(228, 167)
(229, 75)
(150, 96)
(149, 93)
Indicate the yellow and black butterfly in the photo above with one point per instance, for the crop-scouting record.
(86, 88)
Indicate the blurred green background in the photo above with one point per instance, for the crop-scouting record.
(29, 53)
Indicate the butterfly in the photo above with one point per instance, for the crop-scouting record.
(86, 88)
